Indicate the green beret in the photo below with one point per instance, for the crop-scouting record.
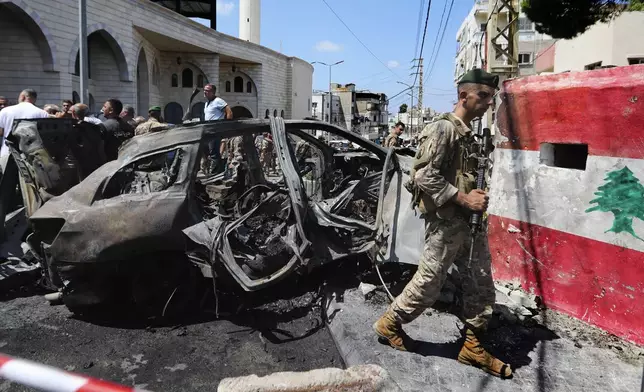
(478, 76)
(154, 109)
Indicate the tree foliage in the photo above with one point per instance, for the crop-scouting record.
(403, 108)
(568, 18)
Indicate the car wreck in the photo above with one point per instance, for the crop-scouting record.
(153, 215)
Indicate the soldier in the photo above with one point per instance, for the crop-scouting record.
(266, 153)
(393, 139)
(444, 191)
(154, 123)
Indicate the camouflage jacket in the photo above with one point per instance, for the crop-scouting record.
(443, 166)
(152, 125)
(392, 140)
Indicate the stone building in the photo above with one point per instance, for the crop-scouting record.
(145, 54)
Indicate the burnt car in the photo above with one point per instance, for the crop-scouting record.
(285, 203)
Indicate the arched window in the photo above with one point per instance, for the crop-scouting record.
(175, 80)
(275, 113)
(186, 78)
(249, 87)
(239, 84)
(268, 113)
(228, 86)
(200, 81)
(282, 114)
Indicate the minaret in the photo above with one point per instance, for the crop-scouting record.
(249, 20)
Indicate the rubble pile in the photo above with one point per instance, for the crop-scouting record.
(514, 304)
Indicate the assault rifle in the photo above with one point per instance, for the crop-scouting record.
(485, 147)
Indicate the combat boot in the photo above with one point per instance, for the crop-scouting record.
(475, 355)
(390, 332)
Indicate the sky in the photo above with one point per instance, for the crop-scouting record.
(308, 29)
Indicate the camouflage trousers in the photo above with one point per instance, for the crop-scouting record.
(448, 242)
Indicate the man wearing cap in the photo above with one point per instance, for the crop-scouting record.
(154, 123)
(443, 185)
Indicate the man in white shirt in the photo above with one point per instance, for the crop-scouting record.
(215, 109)
(25, 109)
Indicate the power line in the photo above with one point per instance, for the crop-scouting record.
(440, 24)
(545, 50)
(420, 20)
(440, 43)
(356, 37)
(422, 45)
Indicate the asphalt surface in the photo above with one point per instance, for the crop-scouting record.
(282, 333)
(557, 354)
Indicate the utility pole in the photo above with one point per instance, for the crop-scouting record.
(502, 57)
(330, 92)
(420, 88)
(82, 48)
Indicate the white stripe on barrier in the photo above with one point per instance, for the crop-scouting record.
(41, 376)
(557, 198)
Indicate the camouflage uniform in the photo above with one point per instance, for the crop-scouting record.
(235, 152)
(392, 140)
(152, 125)
(441, 171)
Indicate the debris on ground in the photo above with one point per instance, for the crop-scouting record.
(361, 378)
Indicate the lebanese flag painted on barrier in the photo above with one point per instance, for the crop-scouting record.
(575, 237)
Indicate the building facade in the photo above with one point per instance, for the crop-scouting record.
(372, 114)
(320, 107)
(471, 41)
(144, 54)
(610, 44)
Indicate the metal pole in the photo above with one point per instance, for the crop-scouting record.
(411, 111)
(83, 60)
(328, 136)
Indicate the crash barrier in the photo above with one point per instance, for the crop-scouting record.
(566, 196)
(47, 378)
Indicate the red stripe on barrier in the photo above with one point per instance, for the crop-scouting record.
(103, 386)
(4, 359)
(597, 282)
(602, 108)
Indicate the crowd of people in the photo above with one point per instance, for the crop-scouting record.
(117, 122)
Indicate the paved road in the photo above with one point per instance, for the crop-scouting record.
(193, 357)
(545, 360)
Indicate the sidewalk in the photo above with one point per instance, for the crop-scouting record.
(543, 360)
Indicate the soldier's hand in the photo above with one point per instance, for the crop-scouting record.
(476, 200)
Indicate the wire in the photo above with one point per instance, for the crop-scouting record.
(440, 24)
(440, 43)
(422, 45)
(480, 54)
(420, 20)
(356, 37)
(545, 50)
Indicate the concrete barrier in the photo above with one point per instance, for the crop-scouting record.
(364, 378)
(567, 196)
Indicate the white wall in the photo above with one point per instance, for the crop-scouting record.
(611, 43)
(302, 88)
(628, 37)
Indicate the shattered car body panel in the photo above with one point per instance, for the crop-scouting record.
(320, 205)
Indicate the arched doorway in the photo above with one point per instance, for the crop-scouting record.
(173, 113)
(197, 110)
(142, 84)
(107, 67)
(24, 38)
(241, 112)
